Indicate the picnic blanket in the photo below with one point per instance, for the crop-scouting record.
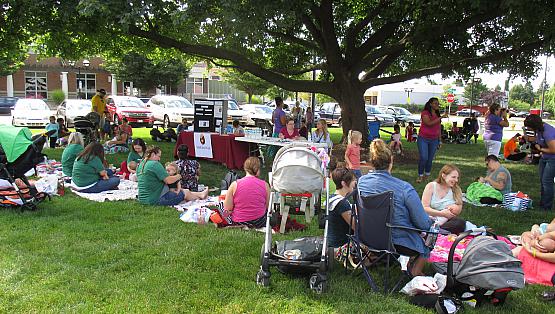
(477, 203)
(49, 167)
(535, 270)
(127, 190)
(440, 253)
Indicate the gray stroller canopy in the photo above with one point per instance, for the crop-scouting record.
(488, 263)
(297, 169)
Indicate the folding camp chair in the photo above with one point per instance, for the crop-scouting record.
(372, 242)
(373, 130)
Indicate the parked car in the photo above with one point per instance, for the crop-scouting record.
(331, 112)
(129, 107)
(401, 115)
(259, 114)
(235, 113)
(7, 104)
(373, 112)
(71, 108)
(31, 112)
(171, 109)
(466, 113)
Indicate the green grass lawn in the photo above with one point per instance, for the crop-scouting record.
(74, 255)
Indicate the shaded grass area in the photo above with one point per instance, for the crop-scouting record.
(78, 256)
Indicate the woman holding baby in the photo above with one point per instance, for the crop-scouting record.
(442, 200)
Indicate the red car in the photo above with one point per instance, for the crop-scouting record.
(131, 108)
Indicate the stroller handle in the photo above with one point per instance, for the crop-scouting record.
(460, 237)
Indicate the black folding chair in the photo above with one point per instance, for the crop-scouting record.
(372, 241)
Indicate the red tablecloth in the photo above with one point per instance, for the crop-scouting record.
(225, 149)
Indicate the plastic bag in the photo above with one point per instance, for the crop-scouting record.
(425, 285)
(48, 184)
(198, 215)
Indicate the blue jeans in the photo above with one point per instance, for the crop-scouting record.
(426, 150)
(171, 198)
(103, 185)
(357, 173)
(547, 175)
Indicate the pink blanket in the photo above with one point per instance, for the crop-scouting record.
(440, 253)
(536, 271)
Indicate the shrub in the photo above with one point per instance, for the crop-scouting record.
(58, 96)
(519, 105)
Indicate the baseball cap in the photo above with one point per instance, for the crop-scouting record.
(102, 90)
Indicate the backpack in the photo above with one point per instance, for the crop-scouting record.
(157, 135)
(170, 135)
(230, 177)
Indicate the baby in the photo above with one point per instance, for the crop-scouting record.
(173, 169)
(132, 167)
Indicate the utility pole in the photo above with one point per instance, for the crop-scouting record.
(543, 85)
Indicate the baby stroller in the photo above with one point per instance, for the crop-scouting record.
(19, 154)
(88, 126)
(487, 272)
(296, 170)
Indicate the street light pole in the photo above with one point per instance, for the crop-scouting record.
(408, 91)
(473, 81)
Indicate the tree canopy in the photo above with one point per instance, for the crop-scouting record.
(354, 44)
(148, 74)
(246, 82)
(523, 93)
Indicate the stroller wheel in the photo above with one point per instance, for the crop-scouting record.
(318, 283)
(263, 278)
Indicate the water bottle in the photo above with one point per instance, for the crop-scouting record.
(432, 237)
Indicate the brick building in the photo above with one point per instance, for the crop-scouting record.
(38, 78)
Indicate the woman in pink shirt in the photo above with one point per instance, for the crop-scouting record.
(289, 131)
(428, 138)
(247, 198)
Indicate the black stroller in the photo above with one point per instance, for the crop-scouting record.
(487, 272)
(19, 153)
(88, 126)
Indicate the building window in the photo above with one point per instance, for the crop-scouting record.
(86, 85)
(215, 77)
(36, 85)
(194, 85)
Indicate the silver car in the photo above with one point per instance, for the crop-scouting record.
(71, 108)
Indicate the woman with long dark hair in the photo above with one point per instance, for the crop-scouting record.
(89, 174)
(428, 137)
(545, 144)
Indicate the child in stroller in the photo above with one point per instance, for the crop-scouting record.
(19, 154)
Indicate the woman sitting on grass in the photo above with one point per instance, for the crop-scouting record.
(89, 173)
(74, 148)
(136, 154)
(247, 198)
(442, 200)
(408, 210)
(153, 182)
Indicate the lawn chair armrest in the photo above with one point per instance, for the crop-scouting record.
(418, 230)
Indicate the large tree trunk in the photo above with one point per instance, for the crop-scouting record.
(250, 98)
(353, 113)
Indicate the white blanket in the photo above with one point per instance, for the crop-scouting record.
(128, 190)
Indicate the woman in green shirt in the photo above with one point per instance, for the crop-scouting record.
(153, 182)
(74, 148)
(136, 154)
(89, 175)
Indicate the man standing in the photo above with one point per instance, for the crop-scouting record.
(99, 106)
